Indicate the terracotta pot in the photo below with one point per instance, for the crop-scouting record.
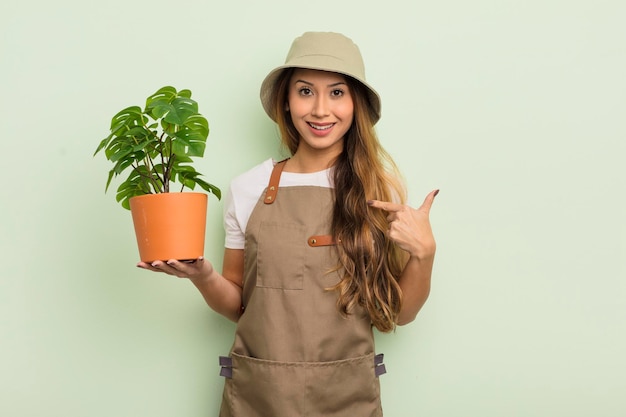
(169, 225)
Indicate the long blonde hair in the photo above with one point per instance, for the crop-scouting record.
(363, 171)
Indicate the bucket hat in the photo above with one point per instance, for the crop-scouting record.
(326, 51)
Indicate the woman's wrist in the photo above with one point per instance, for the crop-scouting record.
(422, 256)
(205, 275)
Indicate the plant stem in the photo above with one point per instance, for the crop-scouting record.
(149, 163)
(148, 179)
(165, 161)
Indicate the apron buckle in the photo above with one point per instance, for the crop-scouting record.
(379, 366)
(227, 367)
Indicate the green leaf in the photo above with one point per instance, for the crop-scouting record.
(122, 165)
(122, 153)
(209, 187)
(180, 110)
(159, 108)
(102, 144)
(189, 143)
(143, 144)
(166, 94)
(182, 159)
(129, 116)
(111, 173)
(198, 123)
(138, 132)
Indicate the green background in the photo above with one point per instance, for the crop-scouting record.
(514, 109)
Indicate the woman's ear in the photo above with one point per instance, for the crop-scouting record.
(287, 107)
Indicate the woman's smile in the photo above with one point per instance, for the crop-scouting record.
(320, 128)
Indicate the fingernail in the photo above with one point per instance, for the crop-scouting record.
(370, 202)
(436, 192)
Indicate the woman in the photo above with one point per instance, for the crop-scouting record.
(319, 248)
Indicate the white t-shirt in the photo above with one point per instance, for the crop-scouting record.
(246, 189)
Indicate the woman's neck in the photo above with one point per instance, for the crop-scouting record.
(305, 162)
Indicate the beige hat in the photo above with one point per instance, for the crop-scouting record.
(326, 51)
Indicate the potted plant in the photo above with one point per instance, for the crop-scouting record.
(156, 146)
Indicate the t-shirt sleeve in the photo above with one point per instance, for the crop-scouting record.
(240, 200)
(235, 236)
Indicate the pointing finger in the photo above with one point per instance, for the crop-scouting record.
(385, 205)
(428, 201)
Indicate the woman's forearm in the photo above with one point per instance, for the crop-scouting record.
(415, 284)
(221, 294)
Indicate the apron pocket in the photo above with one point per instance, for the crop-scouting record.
(262, 388)
(281, 255)
(343, 388)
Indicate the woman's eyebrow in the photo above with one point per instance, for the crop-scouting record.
(329, 85)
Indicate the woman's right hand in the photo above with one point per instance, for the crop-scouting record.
(196, 270)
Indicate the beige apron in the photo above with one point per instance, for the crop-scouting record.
(294, 354)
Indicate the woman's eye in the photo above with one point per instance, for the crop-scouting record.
(305, 91)
(337, 93)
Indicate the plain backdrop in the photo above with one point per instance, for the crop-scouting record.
(515, 109)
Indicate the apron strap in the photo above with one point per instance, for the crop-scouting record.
(272, 188)
(321, 240)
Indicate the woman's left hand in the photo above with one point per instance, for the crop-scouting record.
(410, 228)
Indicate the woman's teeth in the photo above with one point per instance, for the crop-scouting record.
(320, 127)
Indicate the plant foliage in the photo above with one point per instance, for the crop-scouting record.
(157, 144)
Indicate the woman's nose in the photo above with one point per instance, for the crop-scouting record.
(320, 107)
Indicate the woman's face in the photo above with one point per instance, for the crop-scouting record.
(321, 109)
